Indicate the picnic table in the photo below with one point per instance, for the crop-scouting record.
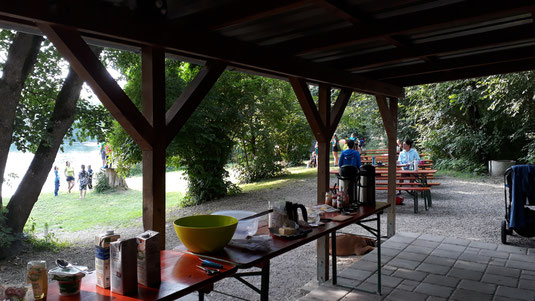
(417, 183)
(181, 277)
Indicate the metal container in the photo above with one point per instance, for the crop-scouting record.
(367, 185)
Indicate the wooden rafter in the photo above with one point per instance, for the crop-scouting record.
(442, 65)
(132, 30)
(302, 92)
(456, 14)
(494, 38)
(230, 14)
(338, 109)
(70, 44)
(191, 97)
(462, 73)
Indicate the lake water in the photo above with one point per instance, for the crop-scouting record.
(87, 153)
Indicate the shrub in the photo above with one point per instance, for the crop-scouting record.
(6, 235)
(102, 183)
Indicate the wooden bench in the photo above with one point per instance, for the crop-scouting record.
(408, 184)
(426, 192)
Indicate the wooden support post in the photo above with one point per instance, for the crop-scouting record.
(324, 104)
(389, 113)
(153, 92)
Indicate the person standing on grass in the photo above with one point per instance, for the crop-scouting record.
(335, 148)
(69, 175)
(56, 181)
(89, 177)
(82, 179)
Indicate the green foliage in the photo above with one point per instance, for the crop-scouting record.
(49, 241)
(6, 235)
(38, 99)
(254, 120)
(361, 116)
(102, 184)
(468, 122)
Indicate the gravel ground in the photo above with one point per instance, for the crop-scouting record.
(461, 208)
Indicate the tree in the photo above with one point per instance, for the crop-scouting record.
(254, 118)
(21, 58)
(42, 114)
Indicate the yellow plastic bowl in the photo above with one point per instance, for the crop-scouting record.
(205, 233)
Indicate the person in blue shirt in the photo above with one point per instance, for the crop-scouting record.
(56, 181)
(408, 155)
(350, 156)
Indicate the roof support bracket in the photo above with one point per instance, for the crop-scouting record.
(71, 45)
(191, 97)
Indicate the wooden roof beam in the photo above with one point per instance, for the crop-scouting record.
(221, 17)
(470, 72)
(70, 44)
(130, 29)
(489, 58)
(456, 14)
(499, 37)
(360, 20)
(312, 114)
(191, 98)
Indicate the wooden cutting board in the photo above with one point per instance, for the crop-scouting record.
(341, 218)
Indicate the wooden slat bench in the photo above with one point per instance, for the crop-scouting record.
(426, 191)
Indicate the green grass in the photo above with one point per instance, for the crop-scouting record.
(68, 212)
(296, 174)
(121, 208)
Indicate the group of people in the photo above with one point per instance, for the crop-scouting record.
(353, 148)
(357, 144)
(85, 179)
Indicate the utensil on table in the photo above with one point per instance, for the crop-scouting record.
(64, 264)
(209, 271)
(210, 264)
(256, 215)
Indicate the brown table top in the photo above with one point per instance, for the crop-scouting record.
(248, 255)
(179, 278)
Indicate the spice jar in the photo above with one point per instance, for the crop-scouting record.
(328, 198)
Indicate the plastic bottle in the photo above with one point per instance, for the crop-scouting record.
(373, 160)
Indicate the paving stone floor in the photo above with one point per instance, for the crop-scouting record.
(428, 267)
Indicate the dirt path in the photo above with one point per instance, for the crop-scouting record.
(464, 209)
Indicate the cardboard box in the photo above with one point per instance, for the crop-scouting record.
(102, 257)
(148, 258)
(123, 266)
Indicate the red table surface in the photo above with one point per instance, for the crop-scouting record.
(179, 273)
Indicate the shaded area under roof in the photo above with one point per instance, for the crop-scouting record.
(374, 47)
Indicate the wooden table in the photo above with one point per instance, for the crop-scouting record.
(260, 258)
(180, 276)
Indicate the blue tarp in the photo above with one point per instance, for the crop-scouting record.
(523, 188)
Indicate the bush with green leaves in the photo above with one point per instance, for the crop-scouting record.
(102, 184)
(6, 235)
(249, 114)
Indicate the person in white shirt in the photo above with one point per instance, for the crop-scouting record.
(408, 155)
